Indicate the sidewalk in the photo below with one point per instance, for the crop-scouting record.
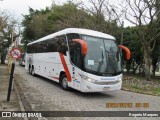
(13, 104)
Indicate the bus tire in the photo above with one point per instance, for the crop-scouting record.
(33, 71)
(30, 70)
(64, 82)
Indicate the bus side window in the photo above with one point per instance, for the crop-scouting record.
(44, 46)
(35, 48)
(48, 45)
(29, 49)
(38, 47)
(61, 44)
(51, 47)
(71, 36)
(75, 53)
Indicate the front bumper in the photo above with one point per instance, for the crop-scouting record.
(91, 87)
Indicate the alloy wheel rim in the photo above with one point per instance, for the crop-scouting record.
(64, 82)
(33, 71)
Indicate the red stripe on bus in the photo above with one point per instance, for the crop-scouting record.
(54, 77)
(65, 67)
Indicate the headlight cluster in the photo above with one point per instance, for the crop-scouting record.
(88, 79)
(118, 79)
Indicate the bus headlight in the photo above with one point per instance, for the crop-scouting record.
(88, 79)
(91, 80)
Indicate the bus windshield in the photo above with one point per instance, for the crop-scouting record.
(103, 56)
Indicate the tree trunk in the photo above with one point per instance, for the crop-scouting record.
(128, 66)
(154, 70)
(134, 69)
(147, 63)
(154, 65)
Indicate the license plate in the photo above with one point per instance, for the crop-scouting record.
(106, 88)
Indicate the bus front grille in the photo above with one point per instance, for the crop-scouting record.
(107, 83)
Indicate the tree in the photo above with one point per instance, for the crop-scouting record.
(7, 28)
(140, 13)
(155, 57)
(104, 14)
(155, 53)
(43, 22)
(131, 40)
(69, 15)
(3, 24)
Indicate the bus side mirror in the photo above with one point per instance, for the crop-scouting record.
(84, 46)
(128, 53)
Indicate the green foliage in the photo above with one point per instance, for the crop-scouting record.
(131, 40)
(5, 33)
(155, 56)
(7, 30)
(36, 24)
(41, 23)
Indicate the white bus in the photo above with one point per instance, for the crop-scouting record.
(86, 60)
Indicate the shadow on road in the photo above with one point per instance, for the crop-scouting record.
(76, 92)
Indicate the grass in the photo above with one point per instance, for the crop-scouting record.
(138, 84)
(157, 90)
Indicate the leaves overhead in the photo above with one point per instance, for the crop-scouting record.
(40, 23)
(101, 17)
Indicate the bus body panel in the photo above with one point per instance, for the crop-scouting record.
(49, 65)
(102, 83)
(45, 64)
(76, 79)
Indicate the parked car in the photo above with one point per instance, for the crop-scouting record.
(22, 59)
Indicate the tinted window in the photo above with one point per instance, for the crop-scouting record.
(28, 49)
(57, 44)
(51, 45)
(61, 44)
(72, 36)
(75, 54)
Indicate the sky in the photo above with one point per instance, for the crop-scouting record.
(20, 7)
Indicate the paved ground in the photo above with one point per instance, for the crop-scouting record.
(13, 104)
(45, 95)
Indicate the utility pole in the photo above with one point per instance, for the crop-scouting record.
(122, 25)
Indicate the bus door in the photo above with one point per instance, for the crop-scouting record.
(76, 60)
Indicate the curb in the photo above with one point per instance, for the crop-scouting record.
(19, 101)
(128, 90)
(24, 104)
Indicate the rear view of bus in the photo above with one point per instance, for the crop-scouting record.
(90, 62)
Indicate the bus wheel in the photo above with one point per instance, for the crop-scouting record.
(64, 82)
(30, 70)
(33, 71)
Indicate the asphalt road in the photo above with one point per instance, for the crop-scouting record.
(46, 95)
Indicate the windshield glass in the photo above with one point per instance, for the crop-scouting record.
(103, 56)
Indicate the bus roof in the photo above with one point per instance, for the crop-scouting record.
(75, 30)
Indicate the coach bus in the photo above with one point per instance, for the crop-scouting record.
(82, 59)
